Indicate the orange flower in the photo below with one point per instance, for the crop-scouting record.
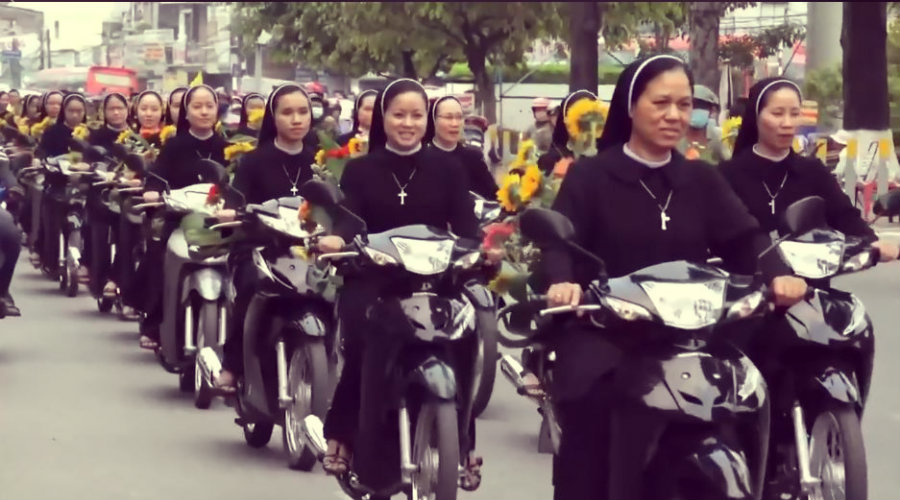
(692, 153)
(562, 167)
(305, 211)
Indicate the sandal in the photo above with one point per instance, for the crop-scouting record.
(148, 343)
(130, 314)
(533, 387)
(224, 388)
(337, 463)
(84, 276)
(470, 477)
(110, 290)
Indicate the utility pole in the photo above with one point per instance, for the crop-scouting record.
(49, 56)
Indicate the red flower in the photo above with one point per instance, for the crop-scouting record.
(147, 133)
(212, 198)
(496, 234)
(338, 152)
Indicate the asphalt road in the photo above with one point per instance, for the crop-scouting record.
(86, 414)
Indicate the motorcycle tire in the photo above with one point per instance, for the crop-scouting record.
(207, 335)
(487, 325)
(436, 434)
(71, 281)
(308, 365)
(258, 434)
(837, 436)
(105, 305)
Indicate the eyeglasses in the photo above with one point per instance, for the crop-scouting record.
(451, 118)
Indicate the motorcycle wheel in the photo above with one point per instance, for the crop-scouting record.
(258, 434)
(838, 456)
(309, 387)
(487, 324)
(436, 451)
(71, 281)
(105, 305)
(207, 335)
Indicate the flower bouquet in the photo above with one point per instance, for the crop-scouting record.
(331, 158)
(585, 120)
(236, 151)
(136, 143)
(38, 129)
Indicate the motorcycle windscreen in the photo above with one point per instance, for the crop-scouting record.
(814, 255)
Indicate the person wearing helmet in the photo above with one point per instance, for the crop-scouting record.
(704, 138)
(540, 108)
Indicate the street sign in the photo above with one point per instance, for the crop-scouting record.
(11, 54)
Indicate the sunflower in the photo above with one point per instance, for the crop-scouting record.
(123, 136)
(354, 146)
(320, 157)
(238, 149)
(730, 131)
(81, 132)
(39, 128)
(584, 112)
(255, 117)
(531, 182)
(508, 194)
(166, 132)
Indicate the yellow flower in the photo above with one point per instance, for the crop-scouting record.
(255, 117)
(531, 182)
(39, 128)
(525, 149)
(218, 127)
(81, 132)
(585, 110)
(123, 136)
(166, 132)
(354, 146)
(509, 192)
(730, 131)
(238, 149)
(320, 157)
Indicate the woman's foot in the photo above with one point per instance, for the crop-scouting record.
(130, 314)
(148, 343)
(337, 458)
(224, 382)
(110, 290)
(470, 477)
(35, 260)
(533, 387)
(84, 276)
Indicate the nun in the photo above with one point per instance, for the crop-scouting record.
(636, 204)
(114, 111)
(444, 136)
(559, 147)
(363, 108)
(251, 102)
(278, 166)
(55, 140)
(173, 105)
(178, 165)
(398, 183)
(147, 116)
(51, 103)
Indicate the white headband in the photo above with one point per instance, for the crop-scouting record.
(767, 87)
(438, 103)
(565, 104)
(275, 92)
(385, 91)
(638, 72)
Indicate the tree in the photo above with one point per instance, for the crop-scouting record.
(584, 25)
(864, 40)
(415, 39)
(703, 22)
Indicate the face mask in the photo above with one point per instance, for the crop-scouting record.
(317, 112)
(699, 118)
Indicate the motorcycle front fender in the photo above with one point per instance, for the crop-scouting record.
(480, 296)
(436, 377)
(726, 469)
(207, 282)
(838, 385)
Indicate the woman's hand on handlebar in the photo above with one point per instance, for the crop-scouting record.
(330, 244)
(226, 215)
(564, 294)
(788, 290)
(151, 196)
(132, 182)
(81, 166)
(888, 250)
(494, 255)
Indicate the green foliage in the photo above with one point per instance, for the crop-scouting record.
(826, 87)
(546, 73)
(743, 51)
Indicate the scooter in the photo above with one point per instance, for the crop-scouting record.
(827, 367)
(427, 323)
(287, 331)
(194, 309)
(687, 379)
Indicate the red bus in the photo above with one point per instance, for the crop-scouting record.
(92, 81)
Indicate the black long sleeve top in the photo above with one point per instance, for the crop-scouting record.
(436, 193)
(268, 173)
(178, 160)
(750, 174)
(471, 162)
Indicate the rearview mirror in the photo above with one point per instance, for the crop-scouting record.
(95, 153)
(321, 193)
(135, 163)
(212, 171)
(804, 215)
(546, 227)
(888, 204)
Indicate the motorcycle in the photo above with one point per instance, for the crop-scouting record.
(687, 378)
(194, 309)
(825, 368)
(428, 323)
(287, 331)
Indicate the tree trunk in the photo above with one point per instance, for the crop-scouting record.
(409, 66)
(484, 83)
(584, 23)
(864, 39)
(704, 35)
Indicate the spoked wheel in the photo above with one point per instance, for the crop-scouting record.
(207, 335)
(309, 387)
(487, 357)
(436, 452)
(838, 456)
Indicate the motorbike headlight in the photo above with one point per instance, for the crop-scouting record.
(467, 261)
(858, 319)
(425, 257)
(812, 260)
(858, 262)
(627, 310)
(753, 381)
(380, 258)
(688, 306)
(746, 306)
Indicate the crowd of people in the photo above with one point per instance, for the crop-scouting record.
(636, 201)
